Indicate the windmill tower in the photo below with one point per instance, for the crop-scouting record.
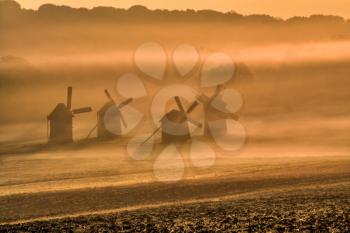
(215, 112)
(174, 124)
(60, 121)
(110, 119)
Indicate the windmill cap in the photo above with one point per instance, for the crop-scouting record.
(60, 110)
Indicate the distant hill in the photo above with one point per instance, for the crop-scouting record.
(15, 68)
(11, 11)
(11, 64)
(13, 61)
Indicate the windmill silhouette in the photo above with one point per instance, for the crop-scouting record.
(174, 124)
(60, 120)
(110, 119)
(214, 112)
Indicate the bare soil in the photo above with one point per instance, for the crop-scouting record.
(317, 209)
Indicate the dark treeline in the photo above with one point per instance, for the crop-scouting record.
(12, 13)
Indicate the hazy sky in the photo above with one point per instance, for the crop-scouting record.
(280, 8)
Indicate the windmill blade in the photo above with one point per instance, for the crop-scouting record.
(217, 92)
(108, 95)
(225, 115)
(69, 97)
(218, 89)
(123, 120)
(154, 133)
(81, 110)
(192, 107)
(202, 98)
(179, 104)
(196, 123)
(125, 102)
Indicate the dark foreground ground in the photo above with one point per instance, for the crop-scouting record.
(311, 209)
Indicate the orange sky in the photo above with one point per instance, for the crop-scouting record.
(279, 8)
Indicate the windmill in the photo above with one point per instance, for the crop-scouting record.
(215, 112)
(174, 124)
(110, 119)
(60, 121)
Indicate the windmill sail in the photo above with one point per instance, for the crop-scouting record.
(192, 107)
(109, 96)
(123, 120)
(81, 110)
(69, 97)
(125, 102)
(207, 100)
(189, 110)
(179, 104)
(196, 123)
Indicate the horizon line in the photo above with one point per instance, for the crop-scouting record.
(185, 10)
(191, 9)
